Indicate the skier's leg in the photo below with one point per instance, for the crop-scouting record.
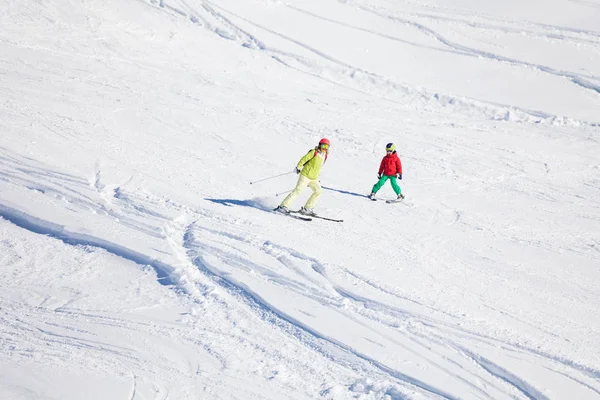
(395, 185)
(300, 186)
(379, 184)
(315, 185)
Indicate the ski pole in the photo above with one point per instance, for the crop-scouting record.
(272, 177)
(279, 194)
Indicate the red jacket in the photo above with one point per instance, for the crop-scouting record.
(390, 165)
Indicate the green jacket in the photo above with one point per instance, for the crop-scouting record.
(311, 163)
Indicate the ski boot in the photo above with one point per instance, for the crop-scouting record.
(282, 209)
(372, 196)
(307, 211)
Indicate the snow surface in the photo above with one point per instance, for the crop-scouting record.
(139, 263)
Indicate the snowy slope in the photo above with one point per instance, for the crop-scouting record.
(139, 263)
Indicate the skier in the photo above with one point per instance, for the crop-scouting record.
(309, 168)
(389, 168)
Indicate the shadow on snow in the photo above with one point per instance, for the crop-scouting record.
(345, 192)
(241, 203)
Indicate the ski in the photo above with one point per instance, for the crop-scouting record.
(318, 216)
(293, 216)
(390, 201)
(398, 199)
(328, 219)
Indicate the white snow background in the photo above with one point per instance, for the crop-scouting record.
(138, 262)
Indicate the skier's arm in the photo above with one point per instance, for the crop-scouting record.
(381, 167)
(305, 159)
(399, 166)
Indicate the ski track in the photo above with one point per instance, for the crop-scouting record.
(512, 379)
(357, 79)
(427, 329)
(442, 331)
(51, 341)
(573, 77)
(347, 71)
(73, 191)
(33, 224)
(165, 273)
(586, 3)
(298, 273)
(544, 31)
(468, 51)
(303, 332)
(133, 388)
(30, 318)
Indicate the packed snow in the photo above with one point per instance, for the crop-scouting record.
(138, 262)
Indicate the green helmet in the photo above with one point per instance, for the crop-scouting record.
(390, 147)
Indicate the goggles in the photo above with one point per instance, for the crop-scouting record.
(324, 146)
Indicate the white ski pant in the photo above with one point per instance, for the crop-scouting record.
(303, 182)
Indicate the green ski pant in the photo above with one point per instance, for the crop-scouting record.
(382, 182)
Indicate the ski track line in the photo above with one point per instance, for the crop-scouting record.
(516, 349)
(240, 260)
(128, 203)
(505, 375)
(277, 317)
(281, 253)
(45, 176)
(441, 340)
(53, 185)
(77, 342)
(486, 365)
(440, 99)
(255, 301)
(134, 387)
(419, 349)
(251, 41)
(457, 48)
(332, 291)
(305, 46)
(586, 3)
(73, 314)
(18, 324)
(26, 324)
(397, 312)
(584, 384)
(518, 30)
(55, 231)
(382, 35)
(36, 225)
(549, 27)
(191, 243)
(389, 292)
(488, 110)
(573, 77)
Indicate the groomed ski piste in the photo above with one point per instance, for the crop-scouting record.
(138, 262)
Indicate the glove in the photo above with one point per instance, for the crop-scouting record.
(298, 170)
(378, 176)
(400, 176)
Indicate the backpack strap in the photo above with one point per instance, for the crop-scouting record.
(314, 155)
